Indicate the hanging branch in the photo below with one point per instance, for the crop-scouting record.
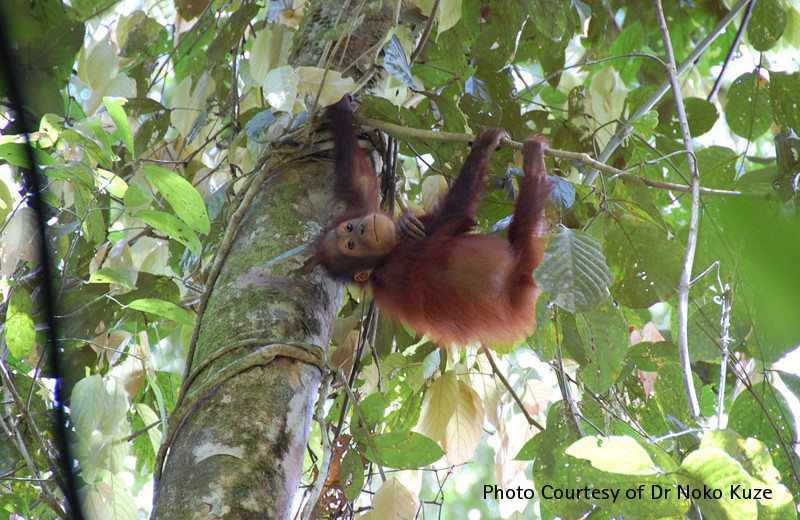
(732, 49)
(691, 241)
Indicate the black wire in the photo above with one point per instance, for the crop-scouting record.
(31, 176)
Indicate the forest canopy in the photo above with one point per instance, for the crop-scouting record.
(664, 357)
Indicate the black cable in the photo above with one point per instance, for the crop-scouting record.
(31, 176)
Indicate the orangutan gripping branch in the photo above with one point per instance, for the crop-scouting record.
(433, 273)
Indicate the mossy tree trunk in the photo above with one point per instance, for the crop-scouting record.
(239, 451)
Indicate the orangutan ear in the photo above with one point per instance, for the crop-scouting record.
(362, 276)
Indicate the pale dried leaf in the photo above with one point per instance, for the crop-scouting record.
(464, 429)
(280, 88)
(259, 57)
(335, 86)
(513, 433)
(16, 241)
(393, 501)
(434, 188)
(537, 396)
(438, 406)
(484, 382)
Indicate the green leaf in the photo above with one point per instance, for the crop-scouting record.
(574, 271)
(109, 275)
(431, 363)
(163, 309)
(87, 405)
(784, 92)
(447, 15)
(451, 117)
(766, 25)
(747, 109)
(6, 202)
(91, 147)
(646, 124)
(705, 331)
(72, 171)
(226, 38)
(270, 50)
(750, 419)
(137, 194)
(631, 39)
(700, 114)
(184, 199)
(20, 331)
(111, 183)
(172, 227)
(149, 417)
(404, 450)
(16, 155)
(447, 60)
(256, 128)
(670, 394)
(634, 197)
(717, 166)
(616, 454)
(142, 37)
(150, 132)
(768, 246)
(372, 408)
(605, 339)
(120, 119)
(646, 262)
(351, 475)
(87, 208)
(549, 16)
(714, 469)
(189, 9)
(280, 88)
(562, 192)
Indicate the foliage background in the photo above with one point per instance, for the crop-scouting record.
(153, 115)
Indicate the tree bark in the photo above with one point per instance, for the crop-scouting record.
(239, 452)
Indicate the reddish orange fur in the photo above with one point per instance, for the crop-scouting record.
(453, 284)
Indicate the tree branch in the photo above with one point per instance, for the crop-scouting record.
(582, 157)
(691, 241)
(734, 45)
(425, 34)
(497, 372)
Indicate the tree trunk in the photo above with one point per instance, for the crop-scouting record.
(239, 451)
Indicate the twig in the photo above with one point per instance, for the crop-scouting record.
(502, 378)
(734, 45)
(425, 34)
(529, 88)
(725, 304)
(396, 12)
(327, 450)
(13, 433)
(691, 241)
(339, 373)
(566, 393)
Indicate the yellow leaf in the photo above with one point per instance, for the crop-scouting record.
(465, 427)
(438, 406)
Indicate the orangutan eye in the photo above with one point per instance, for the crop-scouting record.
(349, 228)
(351, 244)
